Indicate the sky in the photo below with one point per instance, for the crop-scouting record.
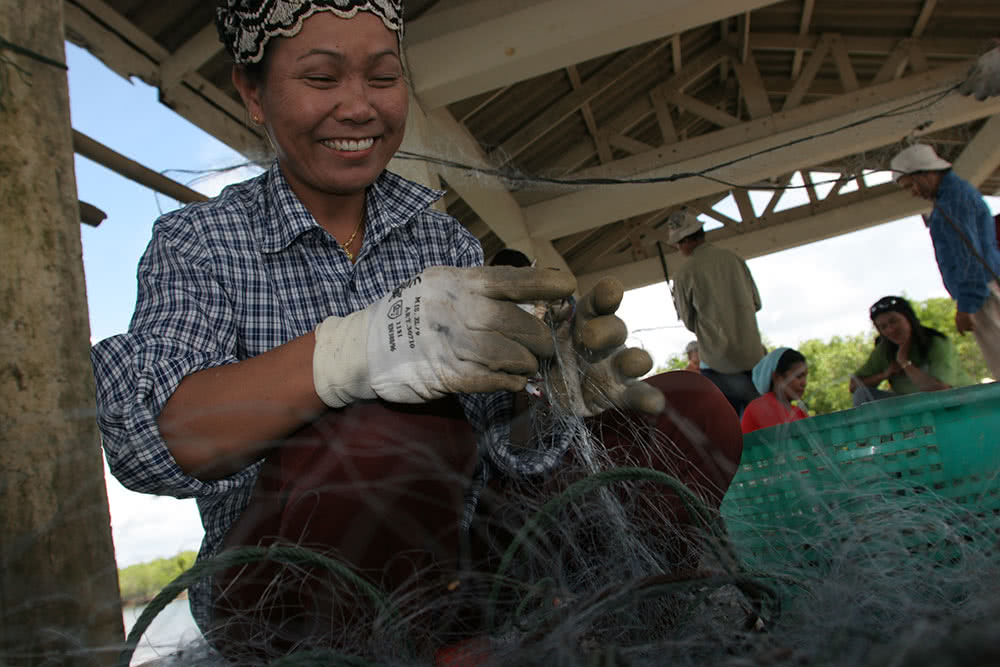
(815, 291)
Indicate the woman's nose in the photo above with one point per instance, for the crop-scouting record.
(353, 103)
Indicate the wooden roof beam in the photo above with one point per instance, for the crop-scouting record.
(833, 216)
(807, 12)
(932, 47)
(752, 87)
(643, 107)
(808, 73)
(981, 157)
(790, 140)
(188, 58)
(481, 45)
(126, 50)
(619, 67)
(924, 18)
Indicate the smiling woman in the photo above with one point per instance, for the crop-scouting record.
(263, 371)
(910, 356)
(335, 111)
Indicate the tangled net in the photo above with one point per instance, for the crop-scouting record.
(579, 585)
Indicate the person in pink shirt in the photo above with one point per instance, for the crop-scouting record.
(781, 378)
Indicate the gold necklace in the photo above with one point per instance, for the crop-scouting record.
(344, 246)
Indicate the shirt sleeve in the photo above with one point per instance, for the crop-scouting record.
(753, 286)
(955, 220)
(684, 302)
(877, 362)
(183, 323)
(943, 363)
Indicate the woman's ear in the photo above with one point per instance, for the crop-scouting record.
(249, 88)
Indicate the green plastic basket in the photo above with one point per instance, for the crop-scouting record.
(798, 482)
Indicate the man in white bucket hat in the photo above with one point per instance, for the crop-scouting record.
(965, 243)
(716, 298)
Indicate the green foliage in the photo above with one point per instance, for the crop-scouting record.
(676, 362)
(830, 367)
(139, 583)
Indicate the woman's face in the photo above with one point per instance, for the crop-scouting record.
(334, 102)
(792, 384)
(894, 326)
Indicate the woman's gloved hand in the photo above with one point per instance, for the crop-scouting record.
(447, 330)
(592, 370)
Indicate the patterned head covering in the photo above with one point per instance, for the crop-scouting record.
(245, 26)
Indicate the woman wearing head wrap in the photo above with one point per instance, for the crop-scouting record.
(316, 353)
(781, 378)
(909, 355)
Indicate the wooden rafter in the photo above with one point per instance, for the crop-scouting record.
(924, 18)
(127, 50)
(745, 206)
(485, 102)
(938, 47)
(592, 207)
(808, 73)
(607, 76)
(663, 117)
(600, 142)
(641, 109)
(804, 21)
(780, 183)
(843, 62)
(188, 58)
(752, 87)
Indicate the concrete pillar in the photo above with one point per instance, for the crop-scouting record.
(59, 600)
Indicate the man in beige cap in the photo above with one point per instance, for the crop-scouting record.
(716, 298)
(965, 243)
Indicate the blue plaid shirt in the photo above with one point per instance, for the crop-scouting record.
(230, 278)
(963, 273)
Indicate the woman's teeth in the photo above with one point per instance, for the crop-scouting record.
(350, 144)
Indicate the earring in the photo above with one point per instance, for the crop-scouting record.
(256, 119)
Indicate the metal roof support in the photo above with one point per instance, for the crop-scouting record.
(58, 578)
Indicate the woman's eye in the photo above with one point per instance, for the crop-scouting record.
(320, 78)
(385, 79)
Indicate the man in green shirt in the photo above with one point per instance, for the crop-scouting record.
(716, 298)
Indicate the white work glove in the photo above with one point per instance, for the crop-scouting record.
(984, 77)
(592, 370)
(447, 330)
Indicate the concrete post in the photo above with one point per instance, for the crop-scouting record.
(59, 601)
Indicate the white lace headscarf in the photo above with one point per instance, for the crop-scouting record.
(245, 26)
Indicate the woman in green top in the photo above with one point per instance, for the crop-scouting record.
(909, 355)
